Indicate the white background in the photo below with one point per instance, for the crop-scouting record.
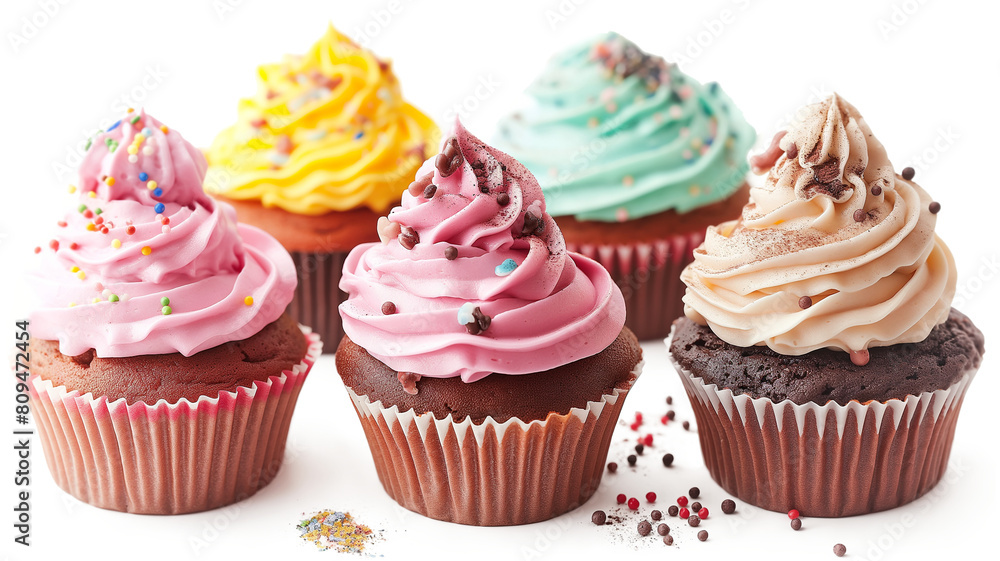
(924, 74)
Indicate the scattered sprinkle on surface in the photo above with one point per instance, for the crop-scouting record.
(333, 529)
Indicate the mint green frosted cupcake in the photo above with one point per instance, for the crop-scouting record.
(636, 160)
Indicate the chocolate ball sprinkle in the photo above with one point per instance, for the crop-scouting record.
(796, 524)
(671, 414)
(908, 173)
(860, 215)
(450, 253)
(503, 199)
(695, 506)
(430, 190)
(408, 237)
(728, 506)
(672, 510)
(656, 515)
(612, 467)
(663, 529)
(388, 308)
(631, 459)
(793, 151)
(703, 535)
(839, 550)
(877, 190)
(694, 493)
(670, 400)
(639, 448)
(805, 302)
(686, 425)
(668, 460)
(599, 518)
(668, 539)
(934, 207)
(693, 520)
(645, 528)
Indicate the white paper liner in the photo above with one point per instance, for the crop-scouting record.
(825, 460)
(491, 473)
(169, 458)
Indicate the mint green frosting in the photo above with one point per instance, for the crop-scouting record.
(613, 133)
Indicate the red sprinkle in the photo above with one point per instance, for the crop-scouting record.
(99, 220)
(634, 426)
(703, 513)
(682, 501)
(104, 229)
(74, 246)
(88, 213)
(130, 230)
(638, 417)
(165, 220)
(651, 497)
(684, 513)
(54, 244)
(664, 419)
(621, 498)
(633, 503)
(793, 514)
(61, 223)
(647, 440)
(38, 249)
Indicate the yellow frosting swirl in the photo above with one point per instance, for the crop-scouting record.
(326, 131)
(834, 251)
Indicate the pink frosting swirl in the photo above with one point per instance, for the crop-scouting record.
(148, 264)
(482, 216)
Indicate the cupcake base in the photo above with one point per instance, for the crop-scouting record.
(168, 458)
(317, 298)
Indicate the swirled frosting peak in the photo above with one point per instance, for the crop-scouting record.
(613, 133)
(835, 250)
(147, 263)
(473, 276)
(327, 131)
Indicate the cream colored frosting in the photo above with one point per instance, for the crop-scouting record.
(883, 280)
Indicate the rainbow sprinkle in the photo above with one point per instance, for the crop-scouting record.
(330, 529)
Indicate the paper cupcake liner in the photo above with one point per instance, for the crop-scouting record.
(168, 458)
(490, 473)
(318, 296)
(825, 460)
(649, 275)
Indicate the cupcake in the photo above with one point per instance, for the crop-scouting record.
(164, 369)
(324, 148)
(635, 159)
(822, 357)
(488, 364)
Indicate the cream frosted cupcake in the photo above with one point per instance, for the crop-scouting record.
(820, 351)
(325, 146)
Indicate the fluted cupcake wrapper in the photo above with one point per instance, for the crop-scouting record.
(490, 473)
(317, 297)
(649, 275)
(168, 458)
(825, 460)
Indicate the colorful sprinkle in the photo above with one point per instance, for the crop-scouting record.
(164, 301)
(81, 208)
(505, 268)
(336, 530)
(97, 211)
(159, 207)
(248, 300)
(92, 194)
(74, 269)
(628, 181)
(134, 120)
(116, 243)
(114, 126)
(151, 185)
(143, 176)
(113, 298)
(72, 189)
(147, 250)
(130, 229)
(158, 192)
(167, 310)
(164, 129)
(81, 275)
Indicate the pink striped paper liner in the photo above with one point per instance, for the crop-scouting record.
(825, 460)
(168, 458)
(649, 275)
(491, 473)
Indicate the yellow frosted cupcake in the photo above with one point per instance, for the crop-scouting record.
(325, 147)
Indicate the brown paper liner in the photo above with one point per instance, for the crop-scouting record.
(649, 275)
(490, 473)
(825, 460)
(318, 296)
(168, 458)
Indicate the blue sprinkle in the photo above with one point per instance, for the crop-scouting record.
(709, 141)
(159, 208)
(143, 176)
(713, 87)
(465, 313)
(147, 132)
(505, 268)
(114, 126)
(359, 135)
(157, 192)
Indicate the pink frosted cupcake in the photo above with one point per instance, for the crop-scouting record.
(164, 370)
(488, 365)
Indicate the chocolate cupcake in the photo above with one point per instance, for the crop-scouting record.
(164, 369)
(325, 147)
(636, 159)
(488, 364)
(820, 351)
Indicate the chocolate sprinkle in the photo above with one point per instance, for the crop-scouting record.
(450, 253)
(860, 215)
(670, 400)
(430, 190)
(793, 151)
(796, 524)
(533, 225)
(480, 322)
(645, 528)
(693, 520)
(668, 539)
(656, 515)
(639, 448)
(686, 425)
(839, 550)
(408, 237)
(449, 159)
(728, 506)
(694, 493)
(503, 199)
(935, 207)
(388, 308)
(418, 185)
(663, 529)
(599, 518)
(877, 190)
(908, 173)
(695, 506)
(631, 459)
(672, 510)
(668, 459)
(805, 302)
(612, 467)
(703, 535)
